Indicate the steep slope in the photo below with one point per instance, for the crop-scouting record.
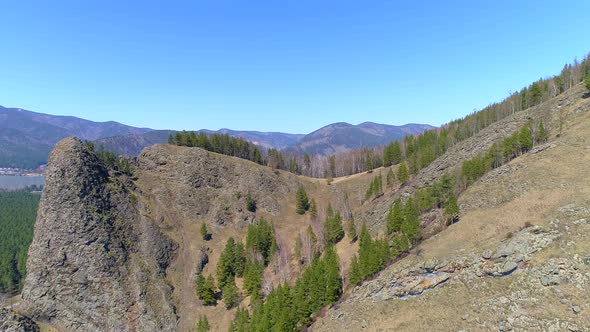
(341, 137)
(553, 112)
(518, 258)
(26, 138)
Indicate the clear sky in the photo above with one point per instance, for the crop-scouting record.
(283, 65)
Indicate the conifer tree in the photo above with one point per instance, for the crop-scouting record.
(241, 321)
(206, 289)
(451, 210)
(402, 173)
(333, 230)
(261, 239)
(250, 203)
(231, 262)
(203, 324)
(411, 224)
(331, 273)
(390, 178)
(355, 275)
(373, 254)
(253, 279)
(302, 201)
(231, 296)
(395, 218)
(525, 139)
(587, 81)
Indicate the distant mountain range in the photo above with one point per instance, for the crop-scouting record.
(342, 136)
(26, 137)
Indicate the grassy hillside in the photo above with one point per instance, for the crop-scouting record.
(516, 259)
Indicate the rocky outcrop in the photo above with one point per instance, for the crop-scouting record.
(13, 322)
(509, 256)
(95, 263)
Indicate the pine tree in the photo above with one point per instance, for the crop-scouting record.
(206, 289)
(451, 210)
(355, 275)
(411, 224)
(372, 255)
(402, 173)
(241, 321)
(333, 230)
(208, 295)
(331, 274)
(203, 324)
(302, 201)
(250, 203)
(204, 232)
(231, 262)
(253, 279)
(587, 81)
(390, 178)
(231, 296)
(261, 239)
(542, 133)
(239, 259)
(395, 218)
(525, 139)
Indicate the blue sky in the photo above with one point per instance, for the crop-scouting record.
(288, 65)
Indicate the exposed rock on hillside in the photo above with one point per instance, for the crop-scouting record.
(13, 322)
(95, 264)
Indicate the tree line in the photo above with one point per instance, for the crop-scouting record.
(501, 152)
(219, 143)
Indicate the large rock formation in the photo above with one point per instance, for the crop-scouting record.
(89, 266)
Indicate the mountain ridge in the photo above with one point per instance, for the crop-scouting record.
(27, 137)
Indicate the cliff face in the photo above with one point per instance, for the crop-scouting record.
(86, 270)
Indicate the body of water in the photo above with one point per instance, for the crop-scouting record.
(16, 182)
